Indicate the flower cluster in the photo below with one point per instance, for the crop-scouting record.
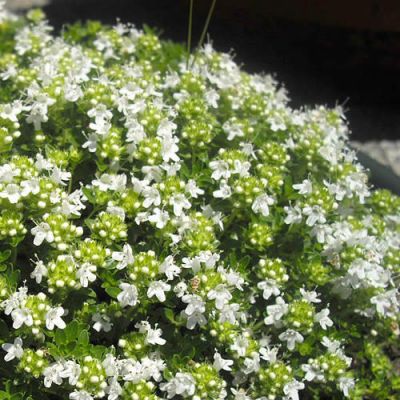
(172, 228)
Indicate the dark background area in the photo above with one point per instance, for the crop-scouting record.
(325, 52)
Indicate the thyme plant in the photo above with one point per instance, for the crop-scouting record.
(176, 230)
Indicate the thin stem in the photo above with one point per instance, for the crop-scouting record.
(205, 29)
(189, 34)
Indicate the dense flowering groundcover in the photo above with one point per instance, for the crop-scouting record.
(170, 228)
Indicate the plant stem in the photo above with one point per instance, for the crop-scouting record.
(189, 34)
(205, 29)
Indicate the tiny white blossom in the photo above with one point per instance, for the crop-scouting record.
(128, 295)
(102, 322)
(14, 350)
(292, 388)
(20, 317)
(124, 257)
(223, 192)
(183, 384)
(346, 385)
(291, 337)
(221, 295)
(39, 271)
(159, 218)
(52, 374)
(323, 319)
(53, 318)
(221, 363)
(80, 395)
(71, 371)
(261, 204)
(42, 232)
(158, 289)
(294, 215)
(86, 274)
(304, 188)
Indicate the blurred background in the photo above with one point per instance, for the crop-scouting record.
(325, 51)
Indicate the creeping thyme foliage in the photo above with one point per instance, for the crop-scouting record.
(175, 232)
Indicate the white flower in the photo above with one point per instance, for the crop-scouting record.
(269, 354)
(112, 182)
(86, 274)
(72, 92)
(12, 193)
(169, 268)
(158, 289)
(346, 385)
(387, 303)
(128, 296)
(276, 311)
(179, 202)
(193, 189)
(228, 313)
(220, 170)
(312, 372)
(180, 289)
(91, 142)
(116, 211)
(310, 296)
(291, 389)
(154, 336)
(52, 374)
(71, 371)
(221, 295)
(42, 232)
(151, 197)
(323, 319)
(20, 317)
(124, 257)
(304, 188)
(59, 176)
(221, 363)
(233, 130)
(240, 345)
(7, 173)
(241, 395)
(183, 384)
(80, 395)
(269, 288)
(332, 345)
(261, 204)
(39, 272)
(315, 215)
(166, 128)
(169, 148)
(194, 303)
(14, 350)
(114, 389)
(211, 96)
(294, 215)
(159, 217)
(291, 337)
(223, 192)
(102, 322)
(196, 318)
(53, 318)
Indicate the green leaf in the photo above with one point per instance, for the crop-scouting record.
(71, 331)
(4, 255)
(113, 292)
(83, 338)
(60, 337)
